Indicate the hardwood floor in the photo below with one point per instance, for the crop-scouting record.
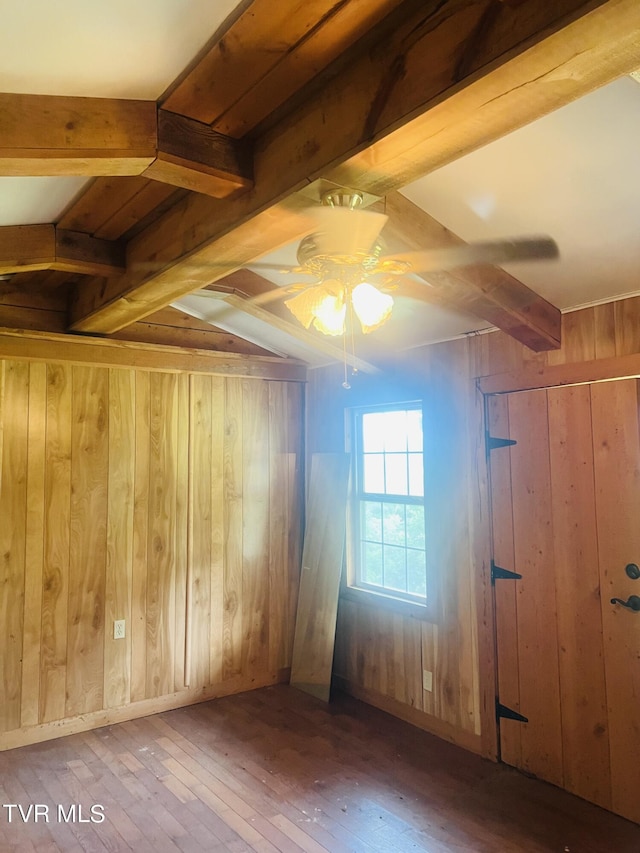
(276, 770)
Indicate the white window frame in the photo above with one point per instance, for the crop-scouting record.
(353, 586)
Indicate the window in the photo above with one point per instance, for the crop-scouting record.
(387, 524)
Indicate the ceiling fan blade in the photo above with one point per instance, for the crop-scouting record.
(489, 252)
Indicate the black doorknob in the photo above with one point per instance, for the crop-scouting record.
(633, 602)
(633, 571)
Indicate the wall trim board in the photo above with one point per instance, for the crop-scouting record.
(80, 349)
(426, 722)
(578, 373)
(143, 708)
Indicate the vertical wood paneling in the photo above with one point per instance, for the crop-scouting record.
(295, 508)
(88, 528)
(616, 435)
(233, 523)
(627, 328)
(278, 526)
(13, 512)
(182, 521)
(534, 558)
(604, 330)
(34, 547)
(114, 482)
(429, 664)
(117, 653)
(161, 553)
(57, 502)
(508, 665)
(140, 538)
(218, 557)
(256, 529)
(200, 518)
(582, 686)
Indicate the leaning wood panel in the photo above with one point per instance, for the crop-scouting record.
(616, 431)
(585, 738)
(446, 490)
(541, 737)
(161, 535)
(117, 653)
(34, 549)
(320, 578)
(13, 511)
(87, 551)
(57, 502)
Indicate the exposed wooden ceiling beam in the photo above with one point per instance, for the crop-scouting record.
(318, 342)
(24, 248)
(451, 77)
(193, 156)
(56, 135)
(484, 291)
(269, 52)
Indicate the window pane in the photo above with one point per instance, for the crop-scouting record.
(416, 475)
(371, 521)
(415, 526)
(390, 524)
(393, 527)
(395, 432)
(373, 427)
(371, 563)
(394, 568)
(416, 572)
(373, 473)
(414, 430)
(396, 474)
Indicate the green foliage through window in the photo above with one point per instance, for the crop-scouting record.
(388, 518)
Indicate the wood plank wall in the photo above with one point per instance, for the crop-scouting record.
(380, 655)
(166, 499)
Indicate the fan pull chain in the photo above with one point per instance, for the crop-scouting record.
(345, 384)
(348, 330)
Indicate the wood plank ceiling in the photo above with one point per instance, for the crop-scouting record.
(285, 100)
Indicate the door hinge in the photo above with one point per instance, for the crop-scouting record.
(498, 573)
(493, 442)
(509, 714)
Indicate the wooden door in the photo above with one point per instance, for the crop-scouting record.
(566, 516)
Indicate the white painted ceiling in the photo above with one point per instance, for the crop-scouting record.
(573, 175)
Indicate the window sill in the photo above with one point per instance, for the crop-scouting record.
(386, 602)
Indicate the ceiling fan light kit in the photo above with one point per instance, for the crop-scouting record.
(344, 253)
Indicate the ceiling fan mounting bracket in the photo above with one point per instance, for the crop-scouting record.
(342, 197)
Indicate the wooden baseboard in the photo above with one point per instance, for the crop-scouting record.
(428, 723)
(144, 708)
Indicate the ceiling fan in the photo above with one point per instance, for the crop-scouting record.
(353, 278)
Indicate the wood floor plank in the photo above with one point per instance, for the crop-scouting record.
(277, 770)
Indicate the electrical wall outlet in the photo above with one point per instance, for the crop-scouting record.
(427, 680)
(118, 629)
